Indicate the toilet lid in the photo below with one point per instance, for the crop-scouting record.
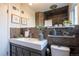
(60, 47)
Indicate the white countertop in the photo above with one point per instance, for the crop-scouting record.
(61, 26)
(30, 42)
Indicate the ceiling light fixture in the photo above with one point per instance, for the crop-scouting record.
(30, 3)
(53, 7)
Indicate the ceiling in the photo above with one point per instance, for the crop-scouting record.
(45, 6)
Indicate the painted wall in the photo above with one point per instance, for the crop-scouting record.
(11, 11)
(5, 23)
(29, 14)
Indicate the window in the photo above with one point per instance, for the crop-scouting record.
(74, 15)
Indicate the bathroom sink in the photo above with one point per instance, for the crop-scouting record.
(30, 42)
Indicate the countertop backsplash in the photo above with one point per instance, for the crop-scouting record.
(20, 32)
(15, 32)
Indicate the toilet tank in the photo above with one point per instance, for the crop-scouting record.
(60, 50)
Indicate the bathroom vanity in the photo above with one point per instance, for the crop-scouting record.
(27, 47)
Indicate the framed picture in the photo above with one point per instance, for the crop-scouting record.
(24, 21)
(15, 19)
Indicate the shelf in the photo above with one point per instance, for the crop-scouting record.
(61, 36)
(62, 27)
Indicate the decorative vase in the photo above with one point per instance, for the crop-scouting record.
(41, 37)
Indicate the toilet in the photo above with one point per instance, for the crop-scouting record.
(60, 50)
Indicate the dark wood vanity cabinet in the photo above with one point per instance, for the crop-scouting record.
(18, 50)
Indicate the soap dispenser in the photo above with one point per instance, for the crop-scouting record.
(27, 33)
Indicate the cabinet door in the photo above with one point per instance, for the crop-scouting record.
(54, 20)
(25, 52)
(19, 51)
(39, 18)
(34, 54)
(13, 54)
(60, 19)
(13, 49)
